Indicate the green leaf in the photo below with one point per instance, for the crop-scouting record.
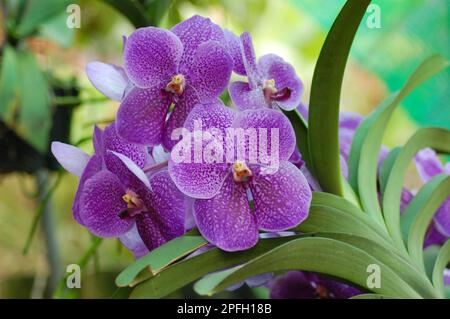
(34, 119)
(430, 255)
(133, 10)
(301, 135)
(441, 263)
(332, 213)
(8, 85)
(417, 204)
(424, 217)
(366, 143)
(56, 30)
(325, 96)
(190, 269)
(436, 138)
(160, 258)
(37, 12)
(386, 167)
(323, 255)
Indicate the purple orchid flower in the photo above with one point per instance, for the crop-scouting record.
(104, 141)
(270, 80)
(184, 66)
(306, 285)
(115, 195)
(224, 189)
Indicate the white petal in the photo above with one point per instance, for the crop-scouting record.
(73, 159)
(109, 79)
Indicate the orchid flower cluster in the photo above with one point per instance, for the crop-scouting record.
(135, 187)
(177, 158)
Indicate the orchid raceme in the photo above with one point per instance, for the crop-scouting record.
(263, 191)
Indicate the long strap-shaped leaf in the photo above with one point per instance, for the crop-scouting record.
(347, 209)
(439, 267)
(301, 136)
(160, 257)
(437, 138)
(386, 167)
(190, 269)
(417, 203)
(423, 219)
(368, 137)
(322, 255)
(323, 119)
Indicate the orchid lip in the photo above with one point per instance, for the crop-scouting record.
(272, 94)
(176, 85)
(134, 205)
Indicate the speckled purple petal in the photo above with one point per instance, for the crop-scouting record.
(73, 159)
(246, 98)
(273, 67)
(165, 218)
(226, 220)
(281, 200)
(233, 45)
(94, 166)
(178, 116)
(210, 70)
(152, 55)
(199, 180)
(137, 153)
(109, 79)
(133, 241)
(212, 114)
(141, 116)
(428, 164)
(101, 204)
(269, 119)
(249, 59)
(128, 171)
(193, 32)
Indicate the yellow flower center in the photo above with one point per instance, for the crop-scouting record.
(132, 199)
(269, 85)
(176, 85)
(241, 172)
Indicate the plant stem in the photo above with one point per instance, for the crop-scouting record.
(48, 229)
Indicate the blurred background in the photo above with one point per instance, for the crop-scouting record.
(45, 95)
